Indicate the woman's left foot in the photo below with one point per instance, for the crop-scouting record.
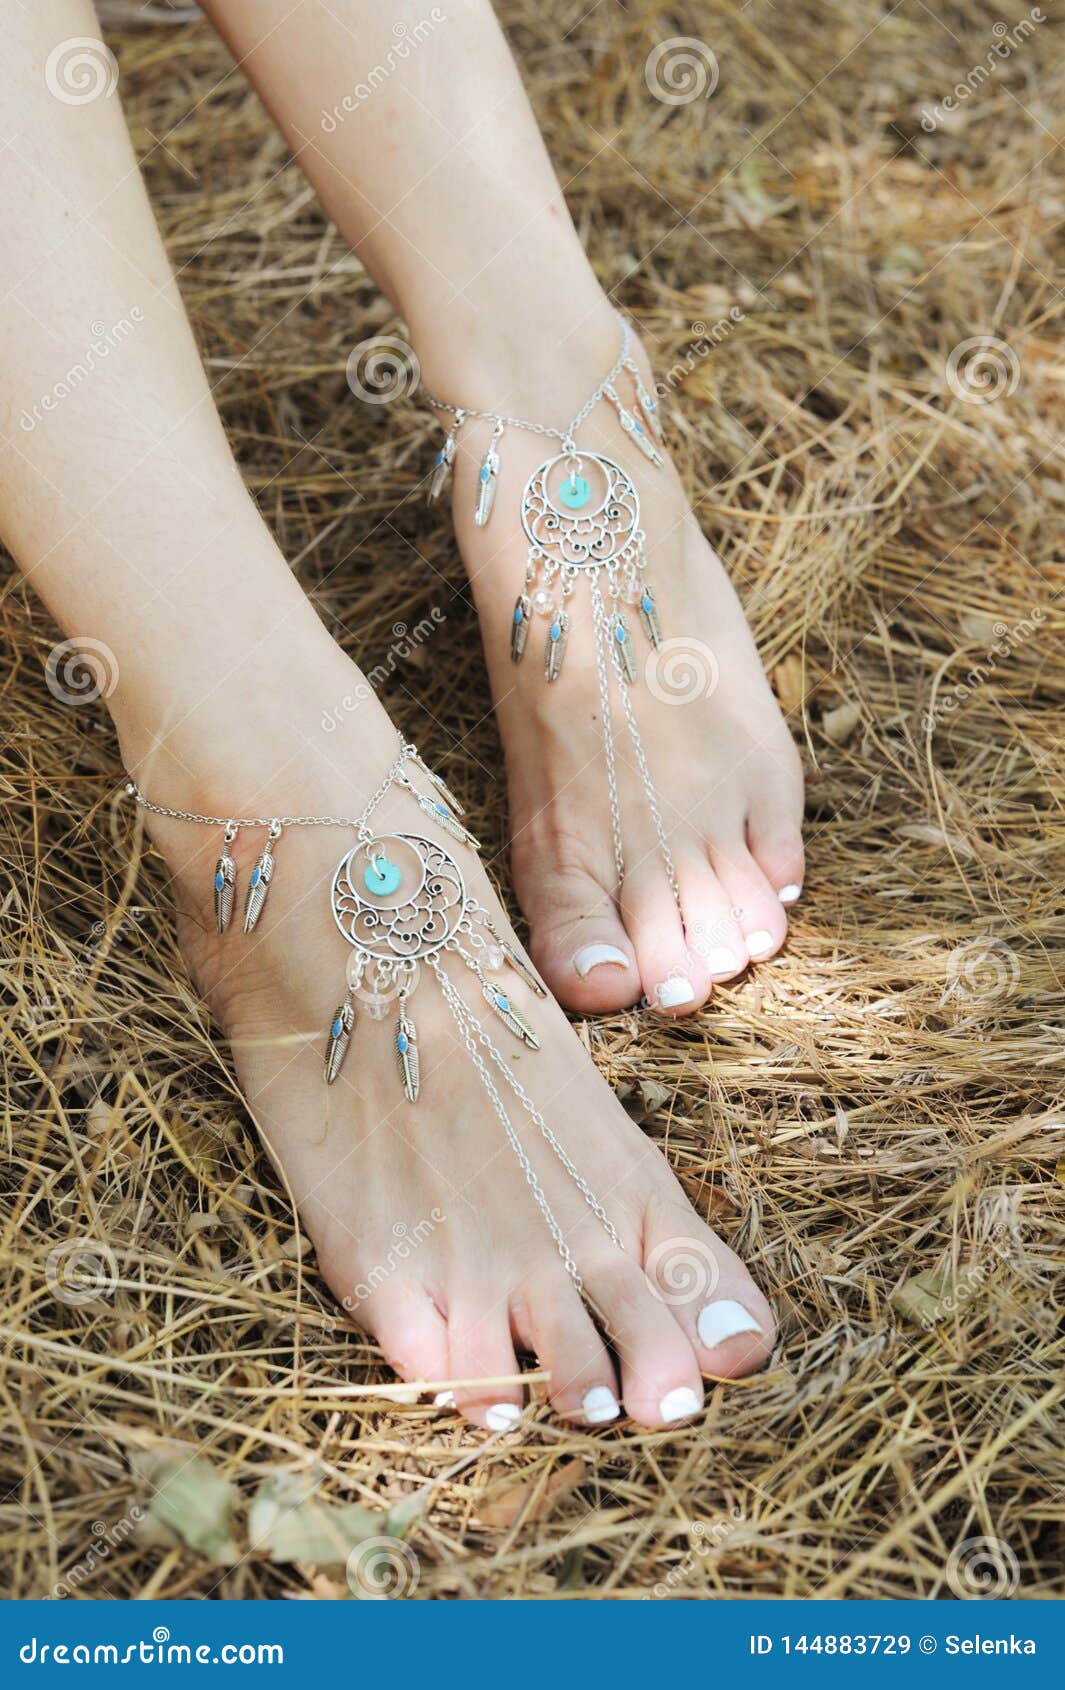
(723, 764)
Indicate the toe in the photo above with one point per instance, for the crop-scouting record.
(776, 845)
(712, 932)
(674, 977)
(481, 1362)
(559, 1329)
(712, 1297)
(577, 940)
(756, 906)
(407, 1326)
(660, 1380)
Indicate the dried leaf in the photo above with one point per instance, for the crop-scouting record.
(196, 1503)
(533, 1498)
(289, 1521)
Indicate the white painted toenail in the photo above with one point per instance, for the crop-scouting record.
(760, 942)
(444, 1399)
(600, 1405)
(680, 1404)
(592, 956)
(502, 1416)
(675, 991)
(789, 894)
(722, 961)
(724, 1319)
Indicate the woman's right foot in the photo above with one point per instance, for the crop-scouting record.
(424, 1225)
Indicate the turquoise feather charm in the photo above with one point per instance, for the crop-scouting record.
(339, 1039)
(259, 884)
(511, 1017)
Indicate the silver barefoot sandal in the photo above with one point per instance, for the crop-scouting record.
(400, 901)
(580, 512)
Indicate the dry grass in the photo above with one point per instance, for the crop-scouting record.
(881, 1102)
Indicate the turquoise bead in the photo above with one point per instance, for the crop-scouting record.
(256, 875)
(620, 635)
(555, 632)
(518, 613)
(337, 1028)
(401, 1043)
(646, 603)
(219, 881)
(574, 492)
(381, 877)
(502, 1001)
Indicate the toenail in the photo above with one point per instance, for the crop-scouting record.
(444, 1399)
(675, 991)
(502, 1416)
(722, 961)
(789, 894)
(760, 942)
(724, 1319)
(592, 956)
(680, 1404)
(600, 1405)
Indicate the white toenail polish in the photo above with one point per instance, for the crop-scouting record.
(722, 961)
(444, 1399)
(789, 894)
(680, 1404)
(724, 1319)
(600, 1405)
(760, 942)
(675, 991)
(591, 956)
(502, 1416)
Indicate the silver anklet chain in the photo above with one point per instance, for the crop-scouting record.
(580, 512)
(400, 900)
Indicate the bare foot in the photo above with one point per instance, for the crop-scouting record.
(479, 1278)
(726, 771)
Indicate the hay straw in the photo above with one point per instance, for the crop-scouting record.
(881, 1102)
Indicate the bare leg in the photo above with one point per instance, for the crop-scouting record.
(121, 502)
(428, 157)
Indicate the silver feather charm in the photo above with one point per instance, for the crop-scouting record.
(225, 883)
(521, 968)
(649, 618)
(555, 649)
(511, 1017)
(339, 1039)
(441, 786)
(635, 430)
(623, 646)
(486, 481)
(440, 813)
(259, 884)
(519, 628)
(407, 1055)
(445, 458)
(647, 402)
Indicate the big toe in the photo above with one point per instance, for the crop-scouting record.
(576, 937)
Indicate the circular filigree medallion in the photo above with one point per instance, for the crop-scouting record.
(599, 530)
(413, 919)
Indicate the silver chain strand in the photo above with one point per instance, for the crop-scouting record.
(465, 1021)
(565, 435)
(599, 628)
(359, 823)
